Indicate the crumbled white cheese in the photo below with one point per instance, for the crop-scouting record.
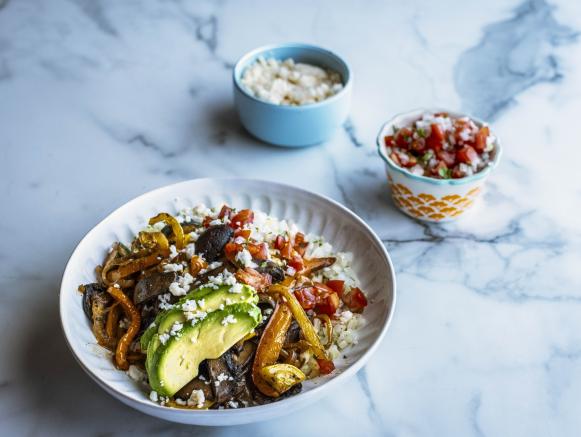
(289, 83)
(233, 404)
(290, 271)
(173, 268)
(136, 374)
(153, 396)
(244, 258)
(190, 249)
(182, 285)
(163, 338)
(195, 316)
(176, 328)
(173, 252)
(164, 301)
(197, 399)
(236, 288)
(228, 320)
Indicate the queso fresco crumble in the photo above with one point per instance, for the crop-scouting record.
(290, 83)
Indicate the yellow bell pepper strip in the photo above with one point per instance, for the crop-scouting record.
(133, 266)
(328, 328)
(133, 314)
(282, 377)
(302, 319)
(269, 347)
(112, 321)
(176, 227)
(153, 240)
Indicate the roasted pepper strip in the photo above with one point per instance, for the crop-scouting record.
(176, 227)
(270, 346)
(328, 328)
(197, 264)
(302, 319)
(125, 341)
(152, 240)
(113, 321)
(133, 266)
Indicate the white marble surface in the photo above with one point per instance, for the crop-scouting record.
(103, 100)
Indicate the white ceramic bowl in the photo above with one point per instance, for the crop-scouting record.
(430, 199)
(312, 212)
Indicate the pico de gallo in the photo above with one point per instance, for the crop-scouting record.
(441, 146)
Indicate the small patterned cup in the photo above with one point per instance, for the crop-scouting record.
(429, 199)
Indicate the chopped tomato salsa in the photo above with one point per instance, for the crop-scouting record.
(441, 146)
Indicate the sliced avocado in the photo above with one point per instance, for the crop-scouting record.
(176, 362)
(213, 299)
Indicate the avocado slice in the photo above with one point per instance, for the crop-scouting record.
(176, 362)
(213, 299)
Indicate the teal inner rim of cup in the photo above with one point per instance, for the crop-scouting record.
(392, 165)
(316, 51)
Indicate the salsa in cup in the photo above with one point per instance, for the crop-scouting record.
(440, 146)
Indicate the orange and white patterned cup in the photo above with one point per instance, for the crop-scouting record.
(430, 199)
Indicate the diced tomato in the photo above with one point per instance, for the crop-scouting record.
(287, 250)
(306, 297)
(258, 251)
(481, 136)
(394, 158)
(467, 155)
(448, 157)
(226, 211)
(207, 220)
(328, 304)
(296, 262)
(325, 366)
(389, 141)
(300, 243)
(336, 285)
(418, 146)
(231, 249)
(436, 138)
(355, 300)
(279, 242)
(403, 137)
(243, 217)
(244, 233)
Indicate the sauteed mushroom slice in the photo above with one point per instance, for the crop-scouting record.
(152, 286)
(212, 241)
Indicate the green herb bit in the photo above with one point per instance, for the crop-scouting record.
(445, 173)
(421, 132)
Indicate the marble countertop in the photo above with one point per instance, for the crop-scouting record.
(101, 101)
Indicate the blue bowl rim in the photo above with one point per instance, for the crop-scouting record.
(392, 165)
(243, 61)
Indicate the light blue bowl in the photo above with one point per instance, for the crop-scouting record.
(293, 126)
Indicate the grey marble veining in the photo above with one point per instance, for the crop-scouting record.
(101, 101)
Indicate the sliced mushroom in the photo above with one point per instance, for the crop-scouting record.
(222, 381)
(212, 241)
(275, 271)
(89, 291)
(239, 359)
(195, 384)
(294, 333)
(152, 286)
